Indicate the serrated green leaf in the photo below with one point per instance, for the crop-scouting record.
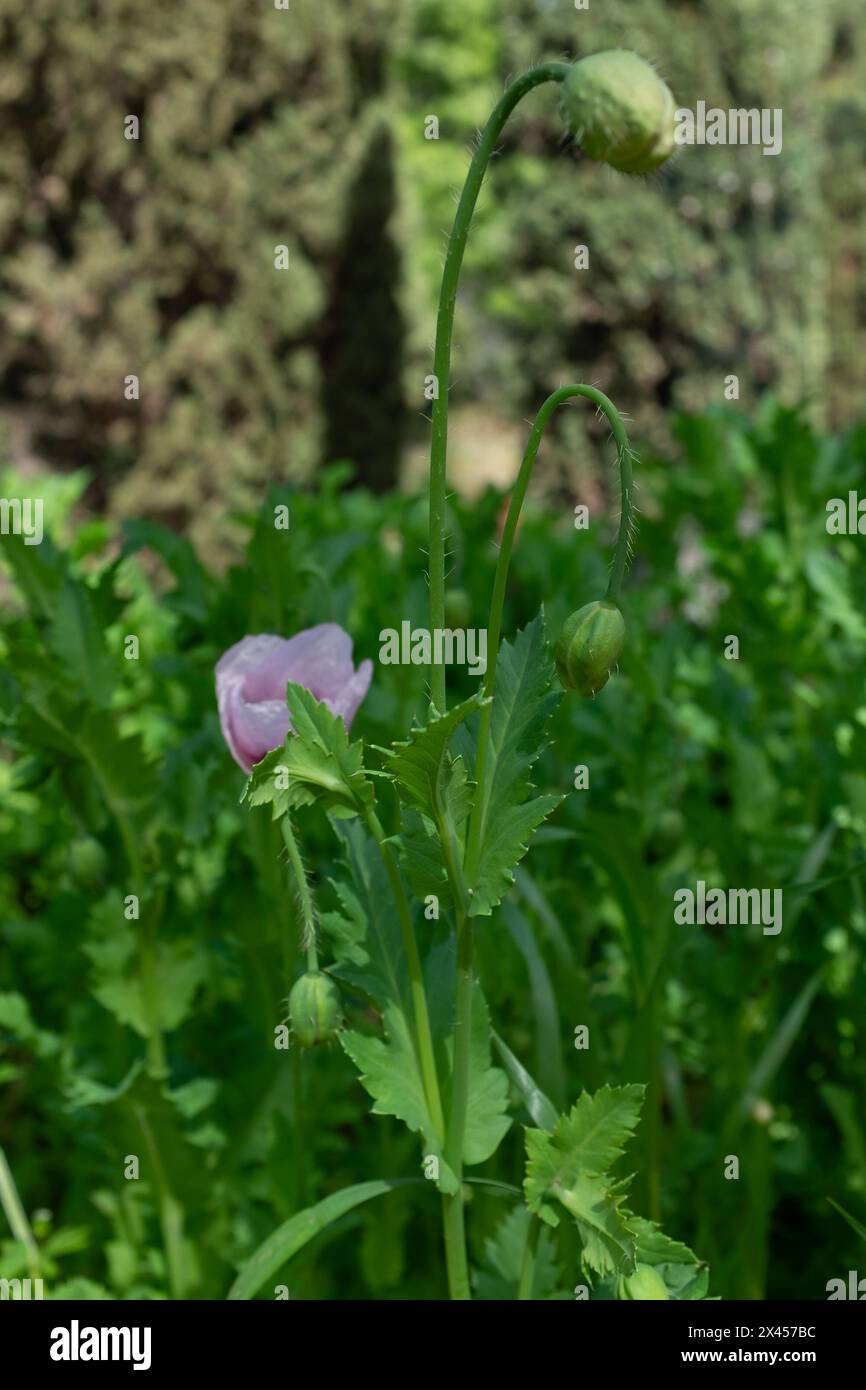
(420, 766)
(193, 583)
(317, 763)
(367, 940)
(685, 1276)
(39, 571)
(571, 1167)
(603, 1225)
(506, 846)
(118, 985)
(487, 1118)
(391, 1075)
(435, 788)
(422, 860)
(74, 638)
(371, 958)
(523, 701)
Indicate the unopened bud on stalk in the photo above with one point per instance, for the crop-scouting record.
(314, 1009)
(589, 646)
(620, 111)
(645, 1285)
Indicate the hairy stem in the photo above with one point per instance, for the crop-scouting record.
(545, 72)
(302, 888)
(494, 622)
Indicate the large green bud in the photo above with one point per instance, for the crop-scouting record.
(314, 1009)
(620, 111)
(645, 1285)
(589, 646)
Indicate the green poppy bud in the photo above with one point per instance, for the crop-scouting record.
(645, 1284)
(589, 646)
(620, 111)
(88, 862)
(314, 1009)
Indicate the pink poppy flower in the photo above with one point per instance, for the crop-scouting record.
(251, 680)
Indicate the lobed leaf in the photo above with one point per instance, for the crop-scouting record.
(317, 763)
(523, 701)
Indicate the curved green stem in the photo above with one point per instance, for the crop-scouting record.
(494, 622)
(545, 72)
(302, 888)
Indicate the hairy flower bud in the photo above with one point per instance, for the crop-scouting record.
(589, 646)
(314, 1009)
(620, 111)
(645, 1284)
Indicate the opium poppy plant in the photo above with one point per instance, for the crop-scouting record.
(412, 898)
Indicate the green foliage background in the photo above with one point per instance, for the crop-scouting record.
(746, 773)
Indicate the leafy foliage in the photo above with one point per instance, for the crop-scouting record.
(523, 702)
(739, 773)
(572, 1166)
(316, 763)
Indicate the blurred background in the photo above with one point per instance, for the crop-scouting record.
(307, 128)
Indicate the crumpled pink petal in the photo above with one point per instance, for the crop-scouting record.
(251, 680)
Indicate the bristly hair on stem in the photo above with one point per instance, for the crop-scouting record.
(303, 896)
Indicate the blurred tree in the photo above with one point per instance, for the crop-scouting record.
(728, 262)
(362, 339)
(156, 256)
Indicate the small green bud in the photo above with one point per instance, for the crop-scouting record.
(620, 111)
(314, 1009)
(589, 646)
(88, 862)
(645, 1284)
